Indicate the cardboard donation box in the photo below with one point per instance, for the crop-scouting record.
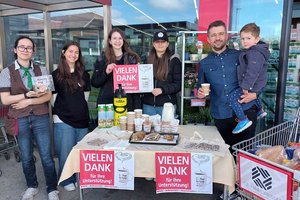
(134, 78)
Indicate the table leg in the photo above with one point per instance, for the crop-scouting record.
(225, 193)
(80, 190)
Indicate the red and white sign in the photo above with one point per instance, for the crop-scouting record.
(182, 172)
(263, 179)
(134, 78)
(106, 169)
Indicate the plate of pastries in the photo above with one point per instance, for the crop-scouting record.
(141, 137)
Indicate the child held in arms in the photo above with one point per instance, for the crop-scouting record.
(252, 73)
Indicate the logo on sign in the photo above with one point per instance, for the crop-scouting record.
(261, 178)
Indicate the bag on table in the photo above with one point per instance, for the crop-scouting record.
(11, 125)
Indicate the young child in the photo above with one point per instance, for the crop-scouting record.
(252, 73)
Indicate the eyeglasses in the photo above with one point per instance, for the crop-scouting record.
(22, 49)
(214, 35)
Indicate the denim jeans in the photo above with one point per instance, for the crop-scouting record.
(36, 127)
(151, 110)
(65, 137)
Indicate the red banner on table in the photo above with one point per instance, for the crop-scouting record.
(96, 168)
(173, 172)
(184, 172)
(134, 78)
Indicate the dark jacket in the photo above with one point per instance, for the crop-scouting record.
(170, 87)
(252, 71)
(105, 82)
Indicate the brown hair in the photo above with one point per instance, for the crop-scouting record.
(64, 73)
(251, 28)
(215, 24)
(21, 38)
(109, 52)
(160, 65)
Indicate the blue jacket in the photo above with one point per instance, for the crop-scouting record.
(252, 71)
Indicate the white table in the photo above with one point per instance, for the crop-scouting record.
(223, 167)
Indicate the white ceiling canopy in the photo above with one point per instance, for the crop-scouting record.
(19, 7)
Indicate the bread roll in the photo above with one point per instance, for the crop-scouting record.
(275, 154)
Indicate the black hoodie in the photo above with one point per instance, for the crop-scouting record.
(252, 71)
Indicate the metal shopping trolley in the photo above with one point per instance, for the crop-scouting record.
(7, 143)
(259, 178)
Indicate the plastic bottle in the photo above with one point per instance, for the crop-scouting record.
(199, 45)
(120, 104)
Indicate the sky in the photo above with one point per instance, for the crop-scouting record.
(267, 13)
(158, 10)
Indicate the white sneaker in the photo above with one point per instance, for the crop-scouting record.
(70, 187)
(30, 193)
(53, 195)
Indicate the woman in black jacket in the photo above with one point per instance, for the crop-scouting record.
(117, 52)
(167, 76)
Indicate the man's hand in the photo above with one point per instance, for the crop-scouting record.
(245, 92)
(247, 98)
(201, 93)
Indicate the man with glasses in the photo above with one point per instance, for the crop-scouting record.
(219, 69)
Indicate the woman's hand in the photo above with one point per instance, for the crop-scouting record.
(33, 94)
(157, 91)
(21, 104)
(110, 68)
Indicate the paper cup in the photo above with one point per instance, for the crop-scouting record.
(138, 124)
(123, 119)
(130, 126)
(157, 128)
(205, 87)
(145, 117)
(123, 126)
(147, 126)
(138, 113)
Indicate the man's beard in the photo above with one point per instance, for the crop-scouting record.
(218, 48)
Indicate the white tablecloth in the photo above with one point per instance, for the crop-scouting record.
(223, 166)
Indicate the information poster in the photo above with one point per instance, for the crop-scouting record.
(106, 169)
(264, 180)
(184, 172)
(134, 78)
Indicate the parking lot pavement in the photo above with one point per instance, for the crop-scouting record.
(13, 185)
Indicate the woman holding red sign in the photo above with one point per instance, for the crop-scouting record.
(117, 52)
(167, 76)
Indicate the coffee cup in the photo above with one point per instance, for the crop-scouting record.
(124, 176)
(205, 87)
(138, 123)
(202, 179)
(138, 113)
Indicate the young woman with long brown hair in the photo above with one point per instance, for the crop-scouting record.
(117, 52)
(167, 76)
(70, 111)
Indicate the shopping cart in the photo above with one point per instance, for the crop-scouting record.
(7, 143)
(257, 177)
